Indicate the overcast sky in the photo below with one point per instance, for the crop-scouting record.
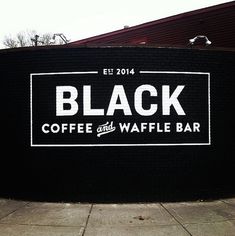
(79, 19)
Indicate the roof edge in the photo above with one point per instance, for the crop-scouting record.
(154, 22)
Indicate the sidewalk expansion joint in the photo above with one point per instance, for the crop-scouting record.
(209, 222)
(87, 220)
(175, 219)
(43, 225)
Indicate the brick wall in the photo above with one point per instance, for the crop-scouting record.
(73, 171)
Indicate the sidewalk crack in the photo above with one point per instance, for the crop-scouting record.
(176, 219)
(87, 220)
(27, 203)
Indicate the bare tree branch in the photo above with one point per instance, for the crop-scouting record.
(21, 39)
(10, 42)
(46, 38)
(25, 39)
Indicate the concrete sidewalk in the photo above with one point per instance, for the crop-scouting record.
(54, 219)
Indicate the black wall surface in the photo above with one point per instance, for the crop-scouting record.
(122, 172)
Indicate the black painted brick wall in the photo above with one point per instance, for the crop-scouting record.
(69, 172)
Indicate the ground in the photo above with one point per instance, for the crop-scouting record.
(197, 218)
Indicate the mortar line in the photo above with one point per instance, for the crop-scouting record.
(176, 219)
(87, 220)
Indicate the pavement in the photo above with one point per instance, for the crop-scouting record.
(198, 218)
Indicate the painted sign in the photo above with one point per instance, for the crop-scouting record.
(119, 107)
(119, 120)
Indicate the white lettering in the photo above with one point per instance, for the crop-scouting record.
(168, 101)
(64, 127)
(135, 128)
(67, 128)
(119, 93)
(124, 127)
(87, 110)
(61, 100)
(145, 127)
(179, 127)
(44, 129)
(194, 127)
(67, 95)
(55, 128)
(139, 100)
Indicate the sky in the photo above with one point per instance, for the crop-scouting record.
(78, 19)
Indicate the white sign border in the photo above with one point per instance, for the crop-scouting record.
(118, 145)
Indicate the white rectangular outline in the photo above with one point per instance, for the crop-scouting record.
(117, 145)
